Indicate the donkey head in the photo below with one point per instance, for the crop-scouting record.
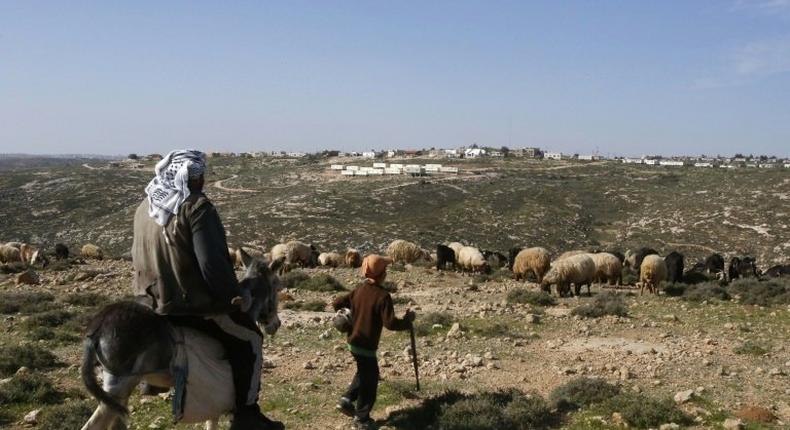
(262, 282)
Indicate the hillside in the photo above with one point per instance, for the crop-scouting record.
(493, 204)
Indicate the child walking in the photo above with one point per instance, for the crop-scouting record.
(371, 309)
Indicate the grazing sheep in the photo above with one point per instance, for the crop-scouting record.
(444, 256)
(536, 260)
(9, 254)
(608, 268)
(496, 260)
(253, 252)
(402, 251)
(90, 250)
(652, 272)
(714, 263)
(456, 247)
(61, 251)
(330, 259)
(29, 254)
(300, 253)
(279, 251)
(675, 265)
(633, 258)
(471, 259)
(577, 269)
(353, 258)
(17, 245)
(567, 254)
(778, 271)
(744, 267)
(511, 256)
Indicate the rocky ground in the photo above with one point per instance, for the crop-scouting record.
(714, 358)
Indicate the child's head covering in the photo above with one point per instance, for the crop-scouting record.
(374, 267)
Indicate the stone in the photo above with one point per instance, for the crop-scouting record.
(268, 363)
(618, 420)
(683, 396)
(669, 426)
(309, 365)
(532, 318)
(776, 372)
(671, 317)
(733, 424)
(22, 371)
(455, 331)
(32, 416)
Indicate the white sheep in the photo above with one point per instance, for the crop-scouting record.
(536, 260)
(608, 268)
(456, 247)
(90, 250)
(578, 270)
(9, 254)
(402, 251)
(330, 259)
(471, 259)
(652, 273)
(567, 254)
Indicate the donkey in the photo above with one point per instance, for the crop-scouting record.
(131, 343)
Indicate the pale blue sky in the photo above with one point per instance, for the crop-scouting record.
(625, 77)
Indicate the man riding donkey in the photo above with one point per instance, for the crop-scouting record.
(371, 309)
(182, 270)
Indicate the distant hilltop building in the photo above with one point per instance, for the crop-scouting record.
(553, 155)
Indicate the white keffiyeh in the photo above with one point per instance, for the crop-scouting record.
(169, 188)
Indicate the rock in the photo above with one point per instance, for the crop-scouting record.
(309, 365)
(671, 317)
(733, 424)
(22, 371)
(625, 374)
(618, 420)
(532, 318)
(683, 396)
(29, 278)
(325, 335)
(268, 363)
(776, 372)
(489, 355)
(670, 426)
(756, 413)
(455, 331)
(32, 416)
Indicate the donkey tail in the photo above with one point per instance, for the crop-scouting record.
(87, 371)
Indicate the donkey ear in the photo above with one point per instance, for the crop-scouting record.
(246, 259)
(275, 265)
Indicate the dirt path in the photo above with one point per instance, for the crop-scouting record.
(88, 166)
(218, 184)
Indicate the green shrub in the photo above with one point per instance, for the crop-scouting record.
(85, 299)
(423, 325)
(761, 293)
(402, 300)
(582, 392)
(491, 329)
(310, 305)
(40, 333)
(706, 291)
(30, 356)
(28, 388)
(751, 348)
(320, 282)
(603, 304)
(501, 410)
(25, 302)
(53, 318)
(535, 298)
(71, 415)
(644, 412)
(290, 279)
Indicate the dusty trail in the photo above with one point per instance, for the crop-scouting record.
(218, 184)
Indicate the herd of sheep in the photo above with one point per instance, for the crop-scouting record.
(569, 270)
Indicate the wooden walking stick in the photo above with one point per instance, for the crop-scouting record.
(414, 356)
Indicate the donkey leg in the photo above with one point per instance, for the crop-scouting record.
(120, 387)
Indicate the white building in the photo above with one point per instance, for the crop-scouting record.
(650, 162)
(553, 155)
(454, 169)
(633, 161)
(703, 164)
(390, 154)
(368, 154)
(450, 153)
(379, 165)
(474, 153)
(336, 167)
(588, 157)
(674, 163)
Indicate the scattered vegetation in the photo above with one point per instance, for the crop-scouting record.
(491, 328)
(321, 282)
(641, 411)
(497, 276)
(402, 300)
(25, 303)
(310, 305)
(501, 410)
(582, 392)
(603, 304)
(423, 325)
(28, 388)
(53, 318)
(85, 299)
(31, 356)
(71, 415)
(535, 298)
(761, 293)
(290, 279)
(750, 348)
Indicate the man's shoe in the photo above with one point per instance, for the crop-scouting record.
(251, 418)
(345, 407)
